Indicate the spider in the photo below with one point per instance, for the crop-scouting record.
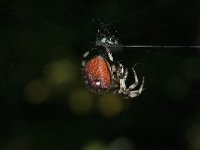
(101, 73)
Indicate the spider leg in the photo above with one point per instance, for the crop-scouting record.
(117, 70)
(109, 54)
(122, 82)
(125, 74)
(132, 86)
(136, 93)
(86, 54)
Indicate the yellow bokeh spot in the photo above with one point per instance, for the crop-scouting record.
(95, 145)
(110, 105)
(80, 102)
(60, 72)
(36, 92)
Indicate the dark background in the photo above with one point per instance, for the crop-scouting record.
(44, 103)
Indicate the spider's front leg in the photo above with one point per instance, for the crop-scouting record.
(132, 86)
(136, 93)
(129, 92)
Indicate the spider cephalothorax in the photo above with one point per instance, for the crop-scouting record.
(102, 73)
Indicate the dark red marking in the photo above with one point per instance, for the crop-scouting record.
(97, 70)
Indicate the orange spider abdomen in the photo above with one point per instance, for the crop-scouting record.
(97, 74)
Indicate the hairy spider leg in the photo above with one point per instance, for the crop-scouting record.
(132, 86)
(136, 93)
